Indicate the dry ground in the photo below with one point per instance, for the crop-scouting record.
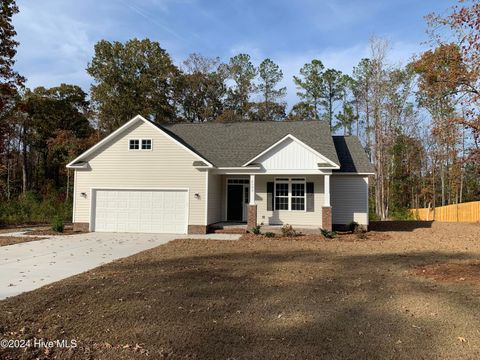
(47, 231)
(12, 240)
(258, 298)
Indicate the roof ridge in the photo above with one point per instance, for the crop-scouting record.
(246, 122)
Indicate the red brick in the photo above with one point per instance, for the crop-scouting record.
(327, 218)
(252, 216)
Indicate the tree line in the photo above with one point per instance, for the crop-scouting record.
(419, 123)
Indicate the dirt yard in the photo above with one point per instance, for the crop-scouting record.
(12, 240)
(384, 297)
(47, 231)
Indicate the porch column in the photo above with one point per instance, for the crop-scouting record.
(326, 190)
(326, 209)
(252, 206)
(252, 190)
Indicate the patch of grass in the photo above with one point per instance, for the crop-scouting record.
(269, 234)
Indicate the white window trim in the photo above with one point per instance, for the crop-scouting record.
(140, 144)
(290, 181)
(151, 144)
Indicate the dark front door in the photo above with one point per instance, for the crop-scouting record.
(235, 202)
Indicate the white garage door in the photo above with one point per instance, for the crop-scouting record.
(146, 211)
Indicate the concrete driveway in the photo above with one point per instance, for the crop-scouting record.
(28, 266)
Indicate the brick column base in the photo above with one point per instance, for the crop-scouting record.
(83, 227)
(197, 229)
(327, 218)
(251, 217)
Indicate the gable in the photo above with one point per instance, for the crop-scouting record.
(137, 128)
(291, 154)
(118, 147)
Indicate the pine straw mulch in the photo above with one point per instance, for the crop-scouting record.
(341, 236)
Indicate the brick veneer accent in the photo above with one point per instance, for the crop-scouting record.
(197, 229)
(251, 217)
(327, 218)
(81, 227)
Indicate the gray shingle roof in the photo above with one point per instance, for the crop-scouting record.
(352, 155)
(233, 144)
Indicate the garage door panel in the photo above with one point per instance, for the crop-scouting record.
(140, 211)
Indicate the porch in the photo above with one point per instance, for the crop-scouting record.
(238, 201)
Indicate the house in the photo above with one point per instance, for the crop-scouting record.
(182, 178)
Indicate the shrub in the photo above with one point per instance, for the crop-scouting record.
(401, 214)
(328, 234)
(32, 207)
(58, 224)
(361, 234)
(353, 226)
(269, 234)
(288, 231)
(256, 230)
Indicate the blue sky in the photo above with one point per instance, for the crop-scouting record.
(57, 36)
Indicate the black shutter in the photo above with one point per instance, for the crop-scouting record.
(310, 197)
(270, 188)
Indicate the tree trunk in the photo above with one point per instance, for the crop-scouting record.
(68, 186)
(24, 160)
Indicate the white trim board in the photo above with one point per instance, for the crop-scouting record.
(123, 128)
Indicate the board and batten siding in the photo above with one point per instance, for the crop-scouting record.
(349, 199)
(289, 155)
(294, 218)
(167, 165)
(215, 198)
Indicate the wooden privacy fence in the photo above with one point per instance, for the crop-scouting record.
(466, 212)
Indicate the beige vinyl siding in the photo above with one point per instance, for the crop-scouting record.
(349, 198)
(215, 198)
(297, 218)
(167, 165)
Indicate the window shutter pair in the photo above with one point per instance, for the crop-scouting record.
(310, 205)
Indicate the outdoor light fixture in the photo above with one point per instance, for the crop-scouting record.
(197, 196)
(84, 194)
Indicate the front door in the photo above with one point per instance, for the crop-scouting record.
(235, 202)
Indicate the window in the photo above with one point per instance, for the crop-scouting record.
(134, 144)
(281, 196)
(298, 196)
(146, 144)
(290, 194)
(140, 144)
